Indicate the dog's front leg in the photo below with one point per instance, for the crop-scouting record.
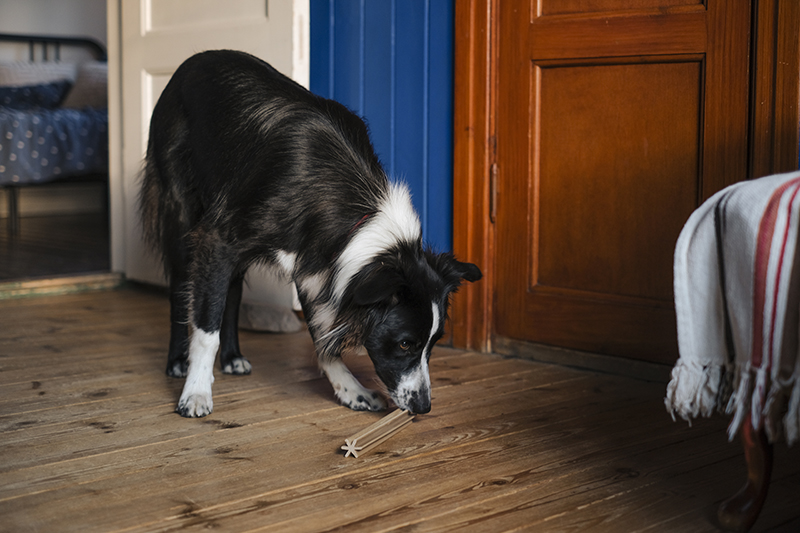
(196, 399)
(321, 318)
(348, 390)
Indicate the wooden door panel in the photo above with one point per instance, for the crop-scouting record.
(592, 168)
(612, 126)
(616, 35)
(606, 325)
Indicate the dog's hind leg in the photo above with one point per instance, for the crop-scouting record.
(231, 358)
(177, 362)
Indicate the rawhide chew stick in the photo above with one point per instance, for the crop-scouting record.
(378, 432)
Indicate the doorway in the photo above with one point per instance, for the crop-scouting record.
(58, 228)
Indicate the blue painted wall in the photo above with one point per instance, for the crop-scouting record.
(391, 62)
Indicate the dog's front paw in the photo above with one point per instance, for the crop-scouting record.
(195, 405)
(362, 400)
(238, 366)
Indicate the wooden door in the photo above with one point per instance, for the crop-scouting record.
(615, 119)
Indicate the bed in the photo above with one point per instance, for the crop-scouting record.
(53, 115)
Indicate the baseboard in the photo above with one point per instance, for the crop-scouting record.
(60, 285)
(608, 364)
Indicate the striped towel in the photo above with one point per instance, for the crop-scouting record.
(737, 300)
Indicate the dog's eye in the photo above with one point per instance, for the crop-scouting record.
(405, 345)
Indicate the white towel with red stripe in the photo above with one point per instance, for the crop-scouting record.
(737, 300)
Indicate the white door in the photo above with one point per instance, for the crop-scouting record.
(148, 40)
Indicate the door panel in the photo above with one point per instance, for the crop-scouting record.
(613, 124)
(596, 162)
(172, 15)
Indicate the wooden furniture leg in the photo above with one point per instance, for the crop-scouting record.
(13, 210)
(739, 512)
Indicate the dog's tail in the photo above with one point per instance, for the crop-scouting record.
(162, 210)
(163, 197)
(151, 209)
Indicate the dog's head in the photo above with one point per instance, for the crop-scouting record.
(407, 296)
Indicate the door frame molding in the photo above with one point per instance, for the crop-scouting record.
(773, 137)
(774, 85)
(475, 75)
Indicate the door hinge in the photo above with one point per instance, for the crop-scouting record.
(493, 193)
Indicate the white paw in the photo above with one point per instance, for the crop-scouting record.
(238, 366)
(359, 398)
(349, 391)
(195, 405)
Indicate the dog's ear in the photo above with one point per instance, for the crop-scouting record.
(378, 284)
(468, 271)
(452, 270)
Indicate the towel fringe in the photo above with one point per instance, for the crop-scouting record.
(698, 390)
(748, 396)
(739, 402)
(693, 390)
(758, 402)
(791, 421)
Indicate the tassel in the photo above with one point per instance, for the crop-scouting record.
(759, 398)
(791, 421)
(739, 402)
(692, 390)
(772, 409)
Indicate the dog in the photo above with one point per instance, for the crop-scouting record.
(244, 166)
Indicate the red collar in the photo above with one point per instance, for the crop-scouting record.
(359, 223)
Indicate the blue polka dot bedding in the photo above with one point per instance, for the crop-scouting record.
(41, 143)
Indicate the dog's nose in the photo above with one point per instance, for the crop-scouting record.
(420, 404)
(422, 410)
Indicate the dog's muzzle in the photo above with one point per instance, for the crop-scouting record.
(414, 401)
(420, 403)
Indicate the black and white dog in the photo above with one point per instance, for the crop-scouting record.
(245, 166)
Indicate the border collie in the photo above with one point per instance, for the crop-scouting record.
(245, 166)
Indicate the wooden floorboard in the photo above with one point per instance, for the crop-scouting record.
(89, 440)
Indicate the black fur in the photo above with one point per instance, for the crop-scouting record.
(245, 166)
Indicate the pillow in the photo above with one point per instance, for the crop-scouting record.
(46, 95)
(22, 73)
(91, 87)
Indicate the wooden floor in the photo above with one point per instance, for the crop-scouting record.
(89, 441)
(54, 245)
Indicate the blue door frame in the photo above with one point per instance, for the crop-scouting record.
(391, 62)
